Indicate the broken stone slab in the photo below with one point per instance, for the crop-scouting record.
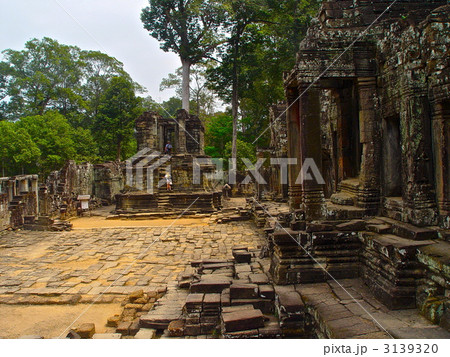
(242, 256)
(192, 330)
(158, 319)
(318, 227)
(243, 291)
(176, 328)
(243, 320)
(353, 225)
(211, 300)
(145, 334)
(215, 285)
(136, 295)
(228, 309)
(242, 334)
(198, 263)
(86, 330)
(194, 302)
(270, 330)
(124, 328)
(107, 336)
(225, 299)
(410, 231)
(379, 228)
(31, 337)
(258, 279)
(265, 305)
(290, 302)
(267, 292)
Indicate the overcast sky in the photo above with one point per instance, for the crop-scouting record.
(111, 26)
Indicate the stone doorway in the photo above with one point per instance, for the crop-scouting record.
(392, 157)
(349, 147)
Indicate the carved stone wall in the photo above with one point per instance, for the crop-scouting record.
(372, 111)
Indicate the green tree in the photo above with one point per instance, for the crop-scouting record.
(244, 151)
(218, 133)
(44, 75)
(202, 97)
(17, 149)
(53, 135)
(118, 109)
(190, 28)
(263, 39)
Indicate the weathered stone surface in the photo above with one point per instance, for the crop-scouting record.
(215, 285)
(86, 330)
(258, 279)
(243, 320)
(290, 302)
(267, 292)
(176, 328)
(243, 291)
(107, 336)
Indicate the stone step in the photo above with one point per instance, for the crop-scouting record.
(350, 186)
(341, 212)
(343, 198)
(410, 231)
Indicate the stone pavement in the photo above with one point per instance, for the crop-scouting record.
(355, 313)
(77, 266)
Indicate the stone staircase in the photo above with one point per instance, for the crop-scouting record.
(342, 205)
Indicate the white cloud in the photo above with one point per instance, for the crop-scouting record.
(111, 26)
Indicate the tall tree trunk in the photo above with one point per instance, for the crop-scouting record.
(119, 150)
(186, 65)
(235, 102)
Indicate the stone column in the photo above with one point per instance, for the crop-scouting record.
(181, 119)
(370, 137)
(415, 127)
(311, 148)
(201, 136)
(441, 139)
(293, 134)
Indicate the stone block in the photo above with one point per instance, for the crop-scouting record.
(136, 295)
(353, 225)
(176, 328)
(145, 334)
(210, 286)
(86, 330)
(290, 302)
(242, 256)
(410, 231)
(124, 328)
(113, 321)
(258, 279)
(192, 330)
(107, 336)
(243, 320)
(267, 292)
(243, 291)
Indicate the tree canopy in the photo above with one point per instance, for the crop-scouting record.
(190, 28)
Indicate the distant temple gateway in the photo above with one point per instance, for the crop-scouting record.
(146, 190)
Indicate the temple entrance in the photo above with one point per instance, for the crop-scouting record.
(349, 148)
(392, 163)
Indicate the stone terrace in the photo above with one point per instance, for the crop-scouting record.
(77, 266)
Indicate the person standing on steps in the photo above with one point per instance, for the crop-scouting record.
(168, 148)
(168, 178)
(226, 191)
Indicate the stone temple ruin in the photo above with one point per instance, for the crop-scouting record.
(365, 254)
(24, 202)
(374, 115)
(146, 171)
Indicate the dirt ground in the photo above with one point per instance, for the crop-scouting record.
(49, 321)
(102, 222)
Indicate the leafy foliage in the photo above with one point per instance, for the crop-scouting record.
(114, 123)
